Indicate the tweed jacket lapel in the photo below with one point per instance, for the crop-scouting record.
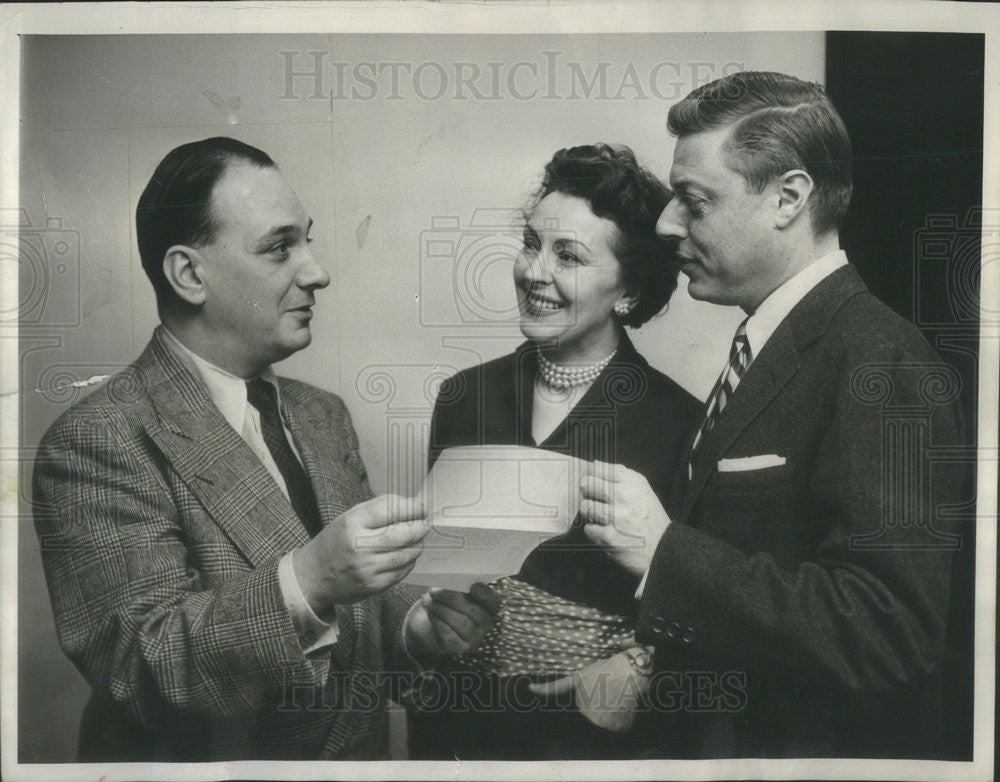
(333, 484)
(769, 373)
(216, 464)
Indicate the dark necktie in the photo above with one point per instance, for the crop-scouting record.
(264, 397)
(739, 359)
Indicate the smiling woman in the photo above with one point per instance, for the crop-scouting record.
(569, 283)
(590, 265)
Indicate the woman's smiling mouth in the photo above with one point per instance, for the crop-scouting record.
(538, 304)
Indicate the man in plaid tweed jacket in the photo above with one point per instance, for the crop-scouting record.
(210, 624)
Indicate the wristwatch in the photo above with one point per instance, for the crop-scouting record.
(641, 658)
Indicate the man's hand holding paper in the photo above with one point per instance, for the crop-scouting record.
(623, 514)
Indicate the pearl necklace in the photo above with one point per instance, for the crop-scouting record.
(560, 378)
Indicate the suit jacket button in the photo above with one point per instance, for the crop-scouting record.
(688, 636)
(673, 631)
(658, 624)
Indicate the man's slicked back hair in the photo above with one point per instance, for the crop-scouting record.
(779, 123)
(175, 207)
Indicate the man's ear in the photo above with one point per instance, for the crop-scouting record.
(182, 266)
(793, 191)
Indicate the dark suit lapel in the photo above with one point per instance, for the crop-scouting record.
(769, 373)
(216, 464)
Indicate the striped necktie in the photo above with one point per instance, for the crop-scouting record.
(739, 359)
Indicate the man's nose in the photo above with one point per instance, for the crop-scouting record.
(312, 274)
(670, 224)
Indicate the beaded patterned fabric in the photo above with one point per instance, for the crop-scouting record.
(540, 633)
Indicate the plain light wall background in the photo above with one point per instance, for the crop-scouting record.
(411, 198)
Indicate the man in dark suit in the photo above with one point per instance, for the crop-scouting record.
(218, 568)
(797, 593)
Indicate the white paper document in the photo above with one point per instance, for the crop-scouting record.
(489, 507)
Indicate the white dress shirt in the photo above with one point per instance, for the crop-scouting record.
(775, 308)
(229, 393)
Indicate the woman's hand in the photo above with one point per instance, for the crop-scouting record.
(623, 514)
(448, 622)
(606, 692)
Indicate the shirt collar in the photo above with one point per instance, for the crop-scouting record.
(226, 390)
(775, 308)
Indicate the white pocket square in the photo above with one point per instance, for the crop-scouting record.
(745, 463)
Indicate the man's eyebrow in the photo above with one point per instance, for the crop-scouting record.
(691, 188)
(280, 231)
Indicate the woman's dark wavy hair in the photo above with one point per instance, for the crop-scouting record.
(610, 179)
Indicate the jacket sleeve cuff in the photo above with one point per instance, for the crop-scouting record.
(642, 585)
(276, 642)
(314, 634)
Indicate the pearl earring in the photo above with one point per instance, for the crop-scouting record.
(621, 309)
